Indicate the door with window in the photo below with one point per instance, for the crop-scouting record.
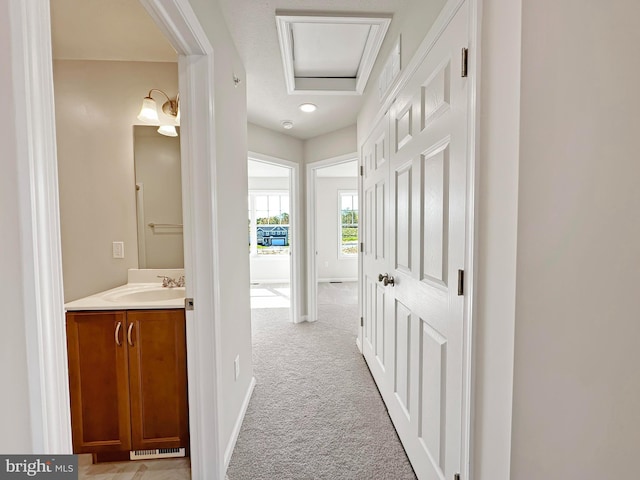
(414, 221)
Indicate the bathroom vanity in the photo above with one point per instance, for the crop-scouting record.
(128, 372)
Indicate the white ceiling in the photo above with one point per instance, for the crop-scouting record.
(122, 30)
(253, 27)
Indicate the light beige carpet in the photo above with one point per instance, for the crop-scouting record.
(315, 412)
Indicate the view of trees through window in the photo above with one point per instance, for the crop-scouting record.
(349, 223)
(269, 223)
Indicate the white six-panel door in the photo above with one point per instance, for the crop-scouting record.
(414, 230)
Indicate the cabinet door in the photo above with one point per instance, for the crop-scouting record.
(158, 379)
(98, 381)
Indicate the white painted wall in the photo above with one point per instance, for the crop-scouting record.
(231, 195)
(576, 384)
(329, 145)
(275, 144)
(15, 434)
(157, 169)
(330, 265)
(97, 104)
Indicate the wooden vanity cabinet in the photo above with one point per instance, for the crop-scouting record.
(127, 380)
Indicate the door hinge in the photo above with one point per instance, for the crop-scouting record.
(361, 247)
(465, 62)
(460, 282)
(188, 303)
(361, 170)
(362, 321)
(456, 476)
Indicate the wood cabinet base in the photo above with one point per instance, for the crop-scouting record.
(128, 381)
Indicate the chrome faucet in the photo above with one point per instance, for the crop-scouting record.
(168, 282)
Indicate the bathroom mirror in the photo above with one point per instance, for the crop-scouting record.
(158, 199)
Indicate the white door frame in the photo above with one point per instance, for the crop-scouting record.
(40, 219)
(312, 267)
(295, 265)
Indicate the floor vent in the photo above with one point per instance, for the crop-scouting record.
(156, 453)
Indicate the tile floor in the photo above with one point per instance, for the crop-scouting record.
(165, 469)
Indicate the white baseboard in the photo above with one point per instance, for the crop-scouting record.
(359, 344)
(236, 428)
(348, 279)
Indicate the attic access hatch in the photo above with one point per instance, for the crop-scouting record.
(329, 54)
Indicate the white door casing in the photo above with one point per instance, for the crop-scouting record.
(415, 230)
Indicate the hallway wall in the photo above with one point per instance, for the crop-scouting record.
(576, 382)
(231, 191)
(14, 402)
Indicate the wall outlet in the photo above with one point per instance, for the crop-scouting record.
(118, 249)
(236, 367)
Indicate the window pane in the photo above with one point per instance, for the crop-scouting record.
(348, 224)
(262, 203)
(272, 219)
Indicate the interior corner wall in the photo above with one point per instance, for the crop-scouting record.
(331, 266)
(97, 103)
(15, 434)
(275, 144)
(230, 188)
(330, 145)
(576, 382)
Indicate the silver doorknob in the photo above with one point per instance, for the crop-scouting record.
(382, 277)
(387, 280)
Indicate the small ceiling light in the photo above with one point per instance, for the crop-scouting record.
(168, 131)
(287, 124)
(171, 108)
(308, 107)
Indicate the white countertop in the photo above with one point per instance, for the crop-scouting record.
(142, 293)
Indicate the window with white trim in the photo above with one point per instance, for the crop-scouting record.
(269, 232)
(348, 223)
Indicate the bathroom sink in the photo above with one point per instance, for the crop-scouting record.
(149, 294)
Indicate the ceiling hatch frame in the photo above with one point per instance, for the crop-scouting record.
(285, 20)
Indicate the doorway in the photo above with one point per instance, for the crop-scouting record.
(274, 238)
(49, 404)
(332, 230)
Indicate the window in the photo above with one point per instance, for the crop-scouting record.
(348, 228)
(268, 223)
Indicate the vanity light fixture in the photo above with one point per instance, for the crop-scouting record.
(308, 107)
(171, 108)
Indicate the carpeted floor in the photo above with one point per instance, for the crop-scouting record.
(315, 412)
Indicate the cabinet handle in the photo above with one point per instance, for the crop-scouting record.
(129, 335)
(118, 327)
